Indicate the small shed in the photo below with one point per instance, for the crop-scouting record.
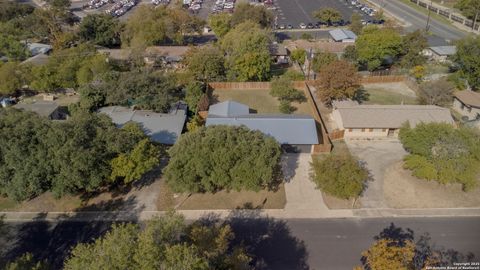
(342, 35)
(440, 53)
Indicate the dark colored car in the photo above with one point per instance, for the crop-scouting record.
(310, 25)
(290, 26)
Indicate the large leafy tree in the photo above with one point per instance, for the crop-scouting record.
(12, 48)
(220, 23)
(340, 176)
(159, 25)
(413, 45)
(322, 59)
(356, 24)
(132, 166)
(328, 15)
(164, 243)
(282, 88)
(440, 152)
(253, 13)
(12, 77)
(206, 64)
(390, 254)
(248, 57)
(376, 46)
(338, 80)
(223, 157)
(102, 29)
(468, 61)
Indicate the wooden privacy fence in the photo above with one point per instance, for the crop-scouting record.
(336, 134)
(299, 84)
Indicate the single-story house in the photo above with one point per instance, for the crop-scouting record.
(380, 121)
(49, 109)
(342, 35)
(163, 128)
(279, 53)
(298, 131)
(467, 103)
(440, 53)
(170, 56)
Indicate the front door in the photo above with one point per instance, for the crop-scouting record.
(391, 132)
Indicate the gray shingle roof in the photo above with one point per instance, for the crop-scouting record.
(444, 50)
(342, 34)
(42, 108)
(392, 116)
(228, 108)
(160, 127)
(285, 128)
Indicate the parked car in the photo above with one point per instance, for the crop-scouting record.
(303, 26)
(281, 26)
(290, 26)
(310, 25)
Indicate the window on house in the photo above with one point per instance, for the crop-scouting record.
(363, 130)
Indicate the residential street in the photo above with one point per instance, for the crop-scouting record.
(417, 20)
(278, 244)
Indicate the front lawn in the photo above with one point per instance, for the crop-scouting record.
(263, 199)
(259, 101)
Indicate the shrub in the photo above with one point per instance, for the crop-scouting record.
(223, 157)
(339, 175)
(442, 153)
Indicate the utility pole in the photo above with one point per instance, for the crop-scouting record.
(475, 19)
(428, 18)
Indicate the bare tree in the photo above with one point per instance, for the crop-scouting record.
(438, 92)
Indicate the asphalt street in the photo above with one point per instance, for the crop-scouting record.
(277, 244)
(417, 20)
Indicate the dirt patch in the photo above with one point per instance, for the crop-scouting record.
(402, 190)
(335, 203)
(263, 199)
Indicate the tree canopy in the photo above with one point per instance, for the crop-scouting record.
(469, 8)
(468, 61)
(66, 157)
(101, 29)
(338, 80)
(375, 46)
(438, 92)
(165, 243)
(248, 56)
(328, 15)
(443, 153)
(340, 176)
(356, 24)
(206, 64)
(282, 88)
(254, 13)
(413, 45)
(322, 59)
(220, 23)
(150, 25)
(223, 157)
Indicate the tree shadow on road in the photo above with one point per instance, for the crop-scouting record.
(427, 253)
(53, 240)
(269, 241)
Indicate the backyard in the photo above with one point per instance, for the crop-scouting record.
(259, 101)
(389, 94)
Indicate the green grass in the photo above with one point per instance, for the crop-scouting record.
(7, 204)
(258, 100)
(383, 97)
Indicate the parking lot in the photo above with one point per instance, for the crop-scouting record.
(294, 12)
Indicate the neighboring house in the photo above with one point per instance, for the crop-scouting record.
(467, 103)
(163, 128)
(342, 35)
(49, 109)
(279, 53)
(380, 121)
(168, 56)
(440, 53)
(298, 131)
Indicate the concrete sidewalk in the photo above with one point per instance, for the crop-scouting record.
(222, 214)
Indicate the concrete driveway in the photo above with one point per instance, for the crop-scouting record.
(378, 156)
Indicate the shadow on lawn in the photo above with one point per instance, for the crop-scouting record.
(52, 241)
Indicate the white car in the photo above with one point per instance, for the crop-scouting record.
(303, 26)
